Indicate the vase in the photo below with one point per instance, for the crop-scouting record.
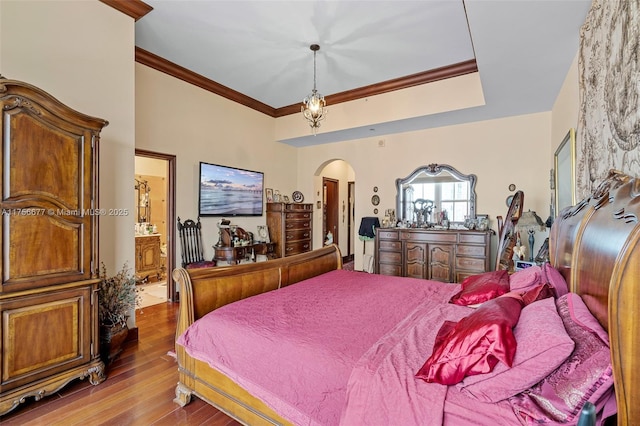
(112, 337)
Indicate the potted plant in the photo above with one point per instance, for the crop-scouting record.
(117, 297)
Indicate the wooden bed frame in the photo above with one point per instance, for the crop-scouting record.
(595, 245)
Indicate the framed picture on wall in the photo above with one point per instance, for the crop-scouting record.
(564, 167)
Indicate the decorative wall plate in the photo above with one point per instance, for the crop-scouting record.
(375, 200)
(297, 197)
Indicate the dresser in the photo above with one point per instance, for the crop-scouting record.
(49, 250)
(148, 256)
(290, 227)
(441, 255)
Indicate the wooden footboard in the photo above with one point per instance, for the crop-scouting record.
(204, 290)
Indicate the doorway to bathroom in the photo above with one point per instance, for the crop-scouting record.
(154, 190)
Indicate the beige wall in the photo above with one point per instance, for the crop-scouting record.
(499, 152)
(173, 117)
(82, 54)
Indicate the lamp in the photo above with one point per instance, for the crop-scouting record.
(313, 104)
(530, 222)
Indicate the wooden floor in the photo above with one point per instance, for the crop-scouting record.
(139, 389)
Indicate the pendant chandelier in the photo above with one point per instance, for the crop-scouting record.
(313, 105)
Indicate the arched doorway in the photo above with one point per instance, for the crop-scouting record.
(335, 180)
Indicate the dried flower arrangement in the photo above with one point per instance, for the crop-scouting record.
(117, 296)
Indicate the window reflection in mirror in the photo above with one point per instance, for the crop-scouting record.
(425, 194)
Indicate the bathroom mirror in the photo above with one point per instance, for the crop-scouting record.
(440, 187)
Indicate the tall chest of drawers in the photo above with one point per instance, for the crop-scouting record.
(441, 255)
(290, 227)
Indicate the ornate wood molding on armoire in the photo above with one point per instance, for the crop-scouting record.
(49, 250)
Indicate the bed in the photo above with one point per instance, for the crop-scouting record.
(395, 324)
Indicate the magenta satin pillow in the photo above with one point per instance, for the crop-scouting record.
(585, 376)
(475, 344)
(542, 345)
(482, 287)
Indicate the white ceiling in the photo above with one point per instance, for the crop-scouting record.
(523, 49)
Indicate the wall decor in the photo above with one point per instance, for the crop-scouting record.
(297, 197)
(564, 166)
(608, 133)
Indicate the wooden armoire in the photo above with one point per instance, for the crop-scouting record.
(49, 251)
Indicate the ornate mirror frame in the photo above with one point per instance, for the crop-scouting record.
(434, 171)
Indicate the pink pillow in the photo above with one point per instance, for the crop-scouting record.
(475, 344)
(482, 287)
(542, 345)
(585, 376)
(533, 276)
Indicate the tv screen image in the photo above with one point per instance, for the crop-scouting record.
(229, 191)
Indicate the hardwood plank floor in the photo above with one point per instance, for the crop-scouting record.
(139, 389)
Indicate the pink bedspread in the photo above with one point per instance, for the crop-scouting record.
(276, 344)
(383, 389)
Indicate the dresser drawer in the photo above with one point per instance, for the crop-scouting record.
(472, 238)
(390, 257)
(473, 251)
(298, 216)
(470, 264)
(390, 245)
(393, 270)
(297, 247)
(387, 235)
(296, 234)
(430, 237)
(297, 224)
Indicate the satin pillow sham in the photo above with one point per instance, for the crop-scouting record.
(542, 345)
(475, 344)
(482, 287)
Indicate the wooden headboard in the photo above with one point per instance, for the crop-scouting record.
(204, 290)
(594, 244)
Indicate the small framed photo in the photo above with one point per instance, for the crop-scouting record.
(269, 194)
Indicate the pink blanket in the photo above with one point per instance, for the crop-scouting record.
(295, 348)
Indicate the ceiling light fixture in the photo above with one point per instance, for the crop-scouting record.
(313, 105)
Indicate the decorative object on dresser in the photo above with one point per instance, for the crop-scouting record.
(236, 245)
(530, 222)
(290, 227)
(441, 255)
(49, 250)
(191, 246)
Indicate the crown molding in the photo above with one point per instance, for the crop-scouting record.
(449, 71)
(158, 63)
(134, 8)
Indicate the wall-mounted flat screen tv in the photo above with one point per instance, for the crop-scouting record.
(229, 191)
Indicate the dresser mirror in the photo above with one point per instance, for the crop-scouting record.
(428, 192)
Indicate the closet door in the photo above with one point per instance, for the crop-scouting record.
(48, 188)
